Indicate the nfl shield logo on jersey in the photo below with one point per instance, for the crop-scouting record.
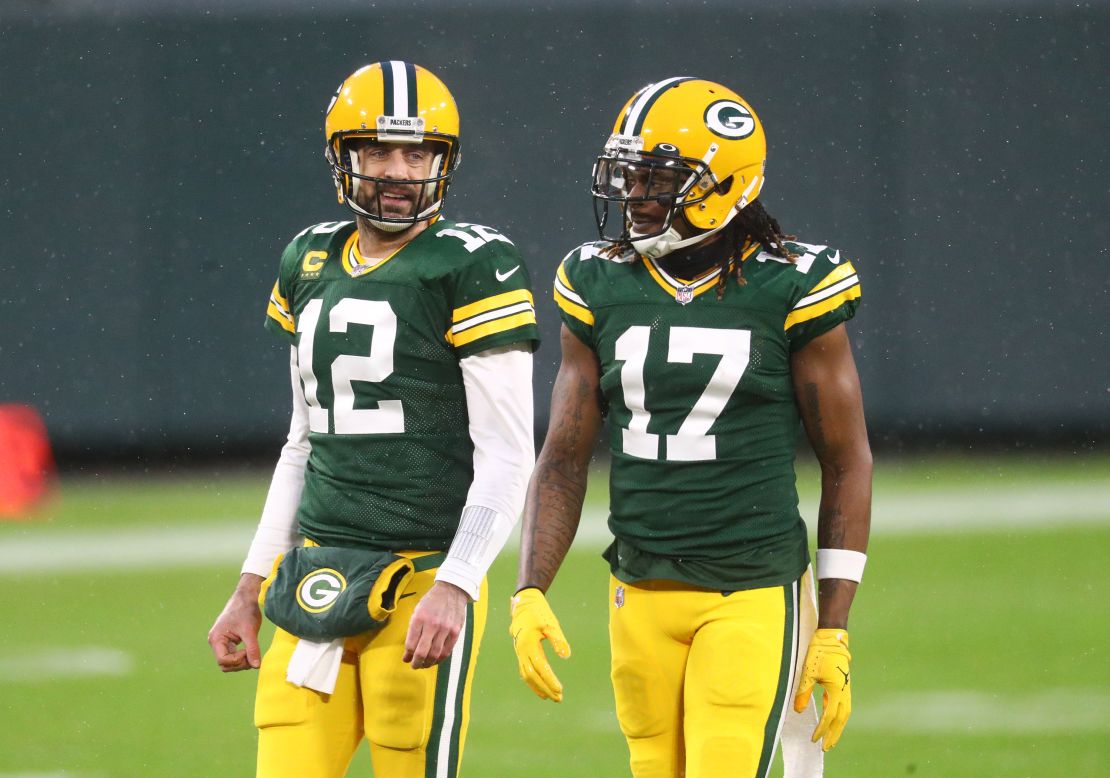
(684, 295)
(618, 598)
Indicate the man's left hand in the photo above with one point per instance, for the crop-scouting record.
(828, 663)
(436, 623)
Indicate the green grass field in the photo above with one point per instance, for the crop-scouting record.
(979, 635)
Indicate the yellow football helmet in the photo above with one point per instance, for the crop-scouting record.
(693, 146)
(392, 102)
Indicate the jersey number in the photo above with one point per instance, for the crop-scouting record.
(389, 416)
(692, 442)
(473, 236)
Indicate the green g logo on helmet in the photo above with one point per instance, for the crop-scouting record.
(729, 119)
(319, 590)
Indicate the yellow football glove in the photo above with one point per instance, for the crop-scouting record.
(532, 622)
(828, 663)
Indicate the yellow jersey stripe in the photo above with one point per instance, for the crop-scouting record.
(488, 304)
(561, 274)
(275, 295)
(281, 317)
(492, 328)
(669, 283)
(671, 287)
(569, 293)
(822, 307)
(278, 310)
(839, 274)
(575, 310)
(497, 313)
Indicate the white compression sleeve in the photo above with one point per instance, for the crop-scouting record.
(498, 385)
(277, 529)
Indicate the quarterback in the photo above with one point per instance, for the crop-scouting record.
(704, 334)
(411, 341)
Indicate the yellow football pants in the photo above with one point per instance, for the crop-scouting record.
(700, 678)
(414, 720)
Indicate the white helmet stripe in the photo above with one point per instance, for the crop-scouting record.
(398, 88)
(633, 123)
(398, 77)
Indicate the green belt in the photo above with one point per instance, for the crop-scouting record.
(420, 564)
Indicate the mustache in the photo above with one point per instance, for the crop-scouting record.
(408, 191)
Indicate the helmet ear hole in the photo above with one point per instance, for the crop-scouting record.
(724, 186)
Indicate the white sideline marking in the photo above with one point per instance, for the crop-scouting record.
(961, 711)
(57, 663)
(970, 509)
(936, 511)
(29, 549)
(128, 548)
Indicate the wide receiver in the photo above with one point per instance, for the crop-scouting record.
(411, 363)
(704, 333)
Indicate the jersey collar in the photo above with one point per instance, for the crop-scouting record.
(357, 265)
(684, 291)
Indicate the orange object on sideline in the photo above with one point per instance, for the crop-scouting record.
(26, 461)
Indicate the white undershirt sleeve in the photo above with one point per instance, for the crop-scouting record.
(498, 384)
(277, 529)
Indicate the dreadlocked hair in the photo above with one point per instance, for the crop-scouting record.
(751, 225)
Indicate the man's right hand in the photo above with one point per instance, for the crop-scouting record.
(239, 622)
(533, 622)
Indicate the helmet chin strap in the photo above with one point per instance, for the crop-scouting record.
(427, 213)
(658, 246)
(389, 226)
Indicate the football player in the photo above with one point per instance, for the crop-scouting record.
(704, 333)
(411, 363)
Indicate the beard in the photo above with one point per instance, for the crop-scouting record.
(397, 201)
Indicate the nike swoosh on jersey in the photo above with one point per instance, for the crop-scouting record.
(502, 276)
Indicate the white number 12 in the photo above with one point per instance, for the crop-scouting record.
(389, 416)
(692, 442)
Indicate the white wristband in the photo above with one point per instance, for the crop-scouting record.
(840, 563)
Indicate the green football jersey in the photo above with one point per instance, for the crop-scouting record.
(701, 407)
(378, 348)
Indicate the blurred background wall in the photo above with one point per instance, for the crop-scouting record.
(155, 157)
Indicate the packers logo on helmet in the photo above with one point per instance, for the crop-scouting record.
(693, 146)
(391, 102)
(729, 119)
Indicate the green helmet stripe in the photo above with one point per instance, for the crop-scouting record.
(638, 111)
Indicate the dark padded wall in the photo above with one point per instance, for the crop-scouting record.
(153, 167)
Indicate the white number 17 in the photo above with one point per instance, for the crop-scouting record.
(692, 441)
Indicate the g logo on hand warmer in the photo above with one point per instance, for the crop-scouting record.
(319, 590)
